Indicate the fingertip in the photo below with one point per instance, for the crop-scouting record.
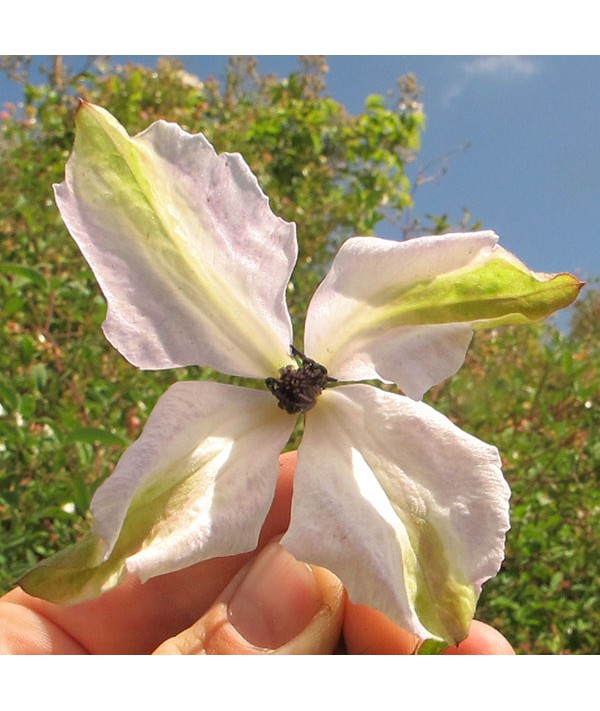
(276, 605)
(278, 518)
(482, 639)
(276, 599)
(287, 463)
(367, 631)
(285, 479)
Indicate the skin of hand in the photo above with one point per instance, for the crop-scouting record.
(263, 602)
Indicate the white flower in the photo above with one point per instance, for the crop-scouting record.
(409, 511)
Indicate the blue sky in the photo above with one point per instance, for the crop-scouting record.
(532, 168)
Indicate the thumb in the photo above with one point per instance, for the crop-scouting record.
(274, 605)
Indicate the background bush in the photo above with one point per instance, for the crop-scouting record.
(69, 404)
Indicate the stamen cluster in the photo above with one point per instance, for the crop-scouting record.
(297, 389)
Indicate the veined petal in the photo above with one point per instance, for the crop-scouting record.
(409, 511)
(404, 312)
(193, 263)
(197, 484)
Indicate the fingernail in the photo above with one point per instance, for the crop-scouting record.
(276, 600)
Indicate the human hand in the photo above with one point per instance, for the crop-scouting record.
(262, 602)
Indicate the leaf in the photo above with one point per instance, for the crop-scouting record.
(39, 375)
(9, 397)
(27, 274)
(90, 435)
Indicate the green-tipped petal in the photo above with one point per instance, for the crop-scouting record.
(409, 511)
(197, 484)
(193, 263)
(404, 312)
(75, 574)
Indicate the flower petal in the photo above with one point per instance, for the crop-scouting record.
(403, 312)
(193, 263)
(409, 511)
(197, 484)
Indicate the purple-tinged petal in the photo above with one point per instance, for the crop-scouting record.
(197, 484)
(193, 263)
(409, 511)
(404, 312)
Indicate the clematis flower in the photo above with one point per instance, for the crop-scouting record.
(409, 511)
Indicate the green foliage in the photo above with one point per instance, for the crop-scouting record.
(333, 174)
(535, 394)
(69, 403)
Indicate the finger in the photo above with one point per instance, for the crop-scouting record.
(482, 639)
(367, 631)
(275, 605)
(134, 618)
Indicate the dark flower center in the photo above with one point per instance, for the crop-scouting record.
(297, 389)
